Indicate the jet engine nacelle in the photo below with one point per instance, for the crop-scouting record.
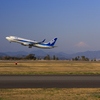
(25, 44)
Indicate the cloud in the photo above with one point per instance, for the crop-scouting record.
(81, 44)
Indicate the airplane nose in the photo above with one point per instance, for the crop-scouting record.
(7, 37)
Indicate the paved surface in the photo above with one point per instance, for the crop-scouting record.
(49, 81)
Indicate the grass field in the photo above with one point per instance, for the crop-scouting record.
(50, 68)
(50, 94)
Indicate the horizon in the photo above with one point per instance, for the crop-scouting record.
(61, 55)
(49, 51)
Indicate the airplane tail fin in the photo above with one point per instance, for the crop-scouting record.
(52, 42)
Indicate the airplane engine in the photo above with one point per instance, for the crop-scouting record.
(24, 44)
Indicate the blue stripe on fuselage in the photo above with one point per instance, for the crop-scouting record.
(23, 41)
(32, 42)
(44, 44)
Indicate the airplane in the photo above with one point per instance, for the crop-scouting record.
(30, 43)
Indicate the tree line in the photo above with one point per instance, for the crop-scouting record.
(28, 57)
(83, 58)
(47, 57)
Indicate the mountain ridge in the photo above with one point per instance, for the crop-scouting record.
(61, 55)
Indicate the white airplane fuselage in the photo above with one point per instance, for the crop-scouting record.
(31, 43)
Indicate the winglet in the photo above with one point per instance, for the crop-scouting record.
(43, 40)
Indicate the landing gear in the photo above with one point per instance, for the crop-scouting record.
(30, 46)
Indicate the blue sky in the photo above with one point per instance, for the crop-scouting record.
(76, 24)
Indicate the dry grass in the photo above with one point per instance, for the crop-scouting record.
(50, 94)
(50, 68)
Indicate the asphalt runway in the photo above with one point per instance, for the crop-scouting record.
(49, 81)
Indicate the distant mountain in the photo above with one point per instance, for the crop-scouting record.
(42, 54)
(17, 54)
(89, 54)
(61, 55)
(2, 54)
(39, 53)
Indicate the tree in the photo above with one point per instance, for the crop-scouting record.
(30, 56)
(86, 59)
(73, 59)
(94, 59)
(5, 57)
(47, 57)
(91, 59)
(83, 58)
(53, 57)
(76, 58)
(56, 58)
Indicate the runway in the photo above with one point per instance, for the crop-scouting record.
(50, 81)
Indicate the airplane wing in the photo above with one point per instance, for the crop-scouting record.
(31, 44)
(40, 42)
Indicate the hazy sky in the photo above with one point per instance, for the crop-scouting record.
(76, 24)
